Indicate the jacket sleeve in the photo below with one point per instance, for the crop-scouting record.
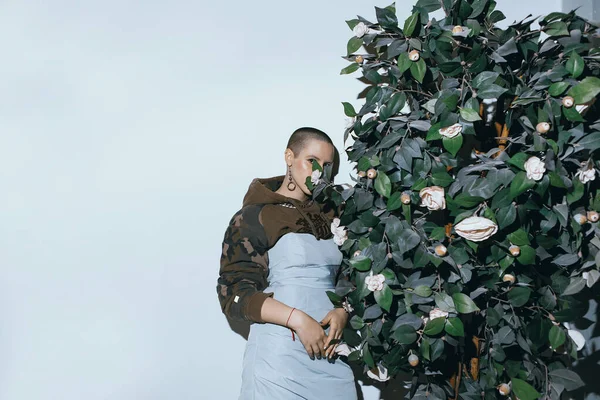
(244, 267)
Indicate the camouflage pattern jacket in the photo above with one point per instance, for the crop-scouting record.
(265, 216)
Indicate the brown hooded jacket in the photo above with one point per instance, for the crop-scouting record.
(265, 216)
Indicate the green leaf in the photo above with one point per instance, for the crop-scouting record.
(527, 256)
(349, 109)
(468, 114)
(410, 24)
(519, 237)
(506, 335)
(485, 78)
(423, 291)
(394, 201)
(520, 184)
(434, 326)
(464, 304)
(387, 17)
(557, 28)
(349, 69)
(405, 334)
(353, 44)
(569, 379)
(575, 65)
(491, 92)
(383, 185)
(585, 90)
(523, 390)
(361, 263)
(408, 240)
(519, 296)
(455, 327)
(576, 285)
(404, 62)
(556, 336)
(454, 144)
(558, 88)
(444, 302)
(418, 69)
(384, 297)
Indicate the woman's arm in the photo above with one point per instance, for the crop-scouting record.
(243, 277)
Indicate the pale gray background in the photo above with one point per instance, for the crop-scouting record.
(130, 131)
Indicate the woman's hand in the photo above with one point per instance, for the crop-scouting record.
(311, 334)
(336, 319)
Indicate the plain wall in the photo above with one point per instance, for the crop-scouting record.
(130, 131)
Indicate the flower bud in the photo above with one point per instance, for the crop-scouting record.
(514, 250)
(580, 219)
(504, 389)
(457, 29)
(362, 174)
(508, 278)
(389, 256)
(371, 173)
(414, 55)
(359, 59)
(441, 250)
(542, 127)
(413, 360)
(593, 216)
(405, 198)
(356, 253)
(568, 101)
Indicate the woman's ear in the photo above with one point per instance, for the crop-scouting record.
(288, 156)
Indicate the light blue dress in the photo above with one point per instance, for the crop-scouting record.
(301, 270)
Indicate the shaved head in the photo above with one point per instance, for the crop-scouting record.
(302, 136)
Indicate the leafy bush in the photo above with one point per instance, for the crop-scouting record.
(472, 233)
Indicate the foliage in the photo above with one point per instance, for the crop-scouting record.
(486, 252)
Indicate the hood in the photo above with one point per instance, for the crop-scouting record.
(262, 191)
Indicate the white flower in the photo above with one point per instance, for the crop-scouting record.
(350, 122)
(535, 168)
(379, 373)
(315, 177)
(339, 233)
(451, 131)
(433, 198)
(347, 306)
(586, 174)
(437, 313)
(375, 282)
(343, 349)
(476, 228)
(360, 29)
(575, 335)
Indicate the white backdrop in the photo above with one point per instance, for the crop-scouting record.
(130, 131)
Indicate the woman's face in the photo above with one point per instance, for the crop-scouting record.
(318, 150)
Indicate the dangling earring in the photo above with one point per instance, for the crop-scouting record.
(291, 185)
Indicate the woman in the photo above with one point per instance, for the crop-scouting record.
(278, 261)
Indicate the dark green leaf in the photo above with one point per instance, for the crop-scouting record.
(361, 263)
(558, 88)
(434, 326)
(569, 379)
(384, 297)
(556, 336)
(405, 334)
(353, 44)
(575, 65)
(383, 185)
(468, 114)
(585, 90)
(463, 303)
(410, 24)
(455, 327)
(394, 201)
(418, 69)
(520, 184)
(349, 69)
(519, 296)
(349, 109)
(444, 302)
(523, 390)
(454, 144)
